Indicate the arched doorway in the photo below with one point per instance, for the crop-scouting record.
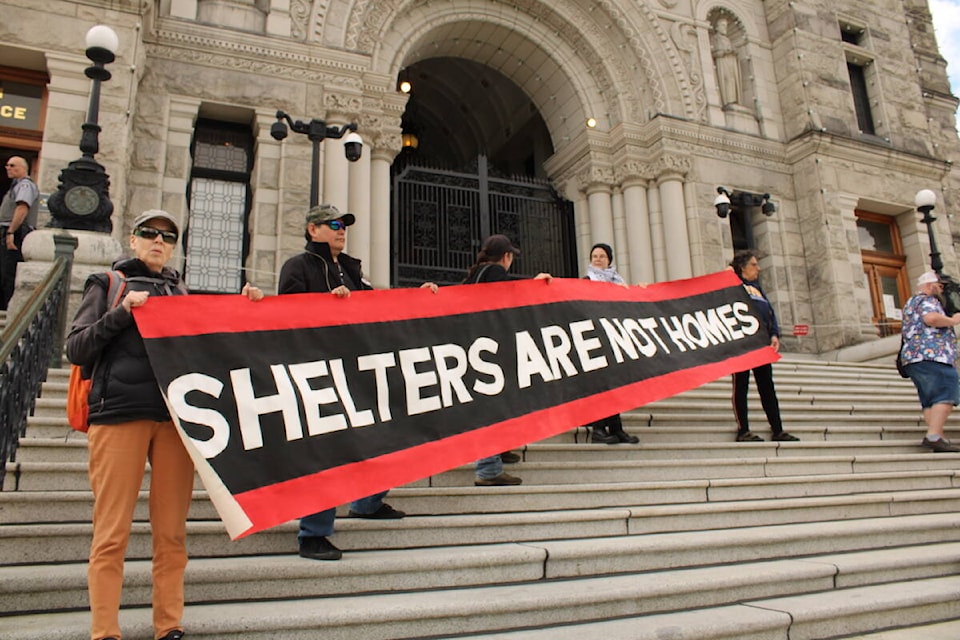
(471, 166)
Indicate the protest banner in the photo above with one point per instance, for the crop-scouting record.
(303, 402)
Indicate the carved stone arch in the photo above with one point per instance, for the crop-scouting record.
(610, 51)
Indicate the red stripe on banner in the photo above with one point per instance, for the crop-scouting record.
(272, 505)
(193, 315)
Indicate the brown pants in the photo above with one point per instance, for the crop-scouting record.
(118, 455)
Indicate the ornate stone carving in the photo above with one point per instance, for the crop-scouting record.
(634, 169)
(340, 103)
(300, 11)
(595, 176)
(673, 164)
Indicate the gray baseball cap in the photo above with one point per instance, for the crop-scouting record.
(152, 214)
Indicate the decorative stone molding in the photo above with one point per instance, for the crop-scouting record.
(342, 103)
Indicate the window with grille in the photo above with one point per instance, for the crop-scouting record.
(216, 239)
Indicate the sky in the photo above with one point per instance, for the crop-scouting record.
(946, 24)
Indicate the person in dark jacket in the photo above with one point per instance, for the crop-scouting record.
(493, 262)
(746, 265)
(607, 430)
(323, 267)
(129, 425)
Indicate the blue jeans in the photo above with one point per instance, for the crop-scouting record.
(321, 524)
(489, 467)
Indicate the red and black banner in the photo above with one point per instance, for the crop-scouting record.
(299, 403)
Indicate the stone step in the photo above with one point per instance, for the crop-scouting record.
(24, 507)
(817, 616)
(66, 476)
(74, 448)
(801, 595)
(870, 551)
(69, 542)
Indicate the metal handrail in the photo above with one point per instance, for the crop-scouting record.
(28, 347)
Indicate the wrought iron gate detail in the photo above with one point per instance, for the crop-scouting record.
(441, 217)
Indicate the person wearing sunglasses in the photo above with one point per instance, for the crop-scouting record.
(323, 267)
(129, 426)
(18, 217)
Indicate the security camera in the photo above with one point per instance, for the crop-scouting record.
(353, 146)
(278, 130)
(768, 208)
(722, 202)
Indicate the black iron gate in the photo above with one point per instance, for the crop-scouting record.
(441, 217)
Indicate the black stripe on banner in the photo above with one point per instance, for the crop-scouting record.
(268, 406)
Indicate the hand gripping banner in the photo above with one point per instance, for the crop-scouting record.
(299, 403)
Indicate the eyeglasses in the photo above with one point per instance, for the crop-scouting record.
(336, 225)
(149, 233)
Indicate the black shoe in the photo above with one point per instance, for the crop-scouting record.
(748, 436)
(600, 436)
(623, 436)
(783, 436)
(501, 480)
(176, 634)
(941, 445)
(509, 457)
(319, 548)
(385, 512)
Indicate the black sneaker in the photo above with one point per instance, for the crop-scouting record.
(941, 445)
(783, 436)
(600, 436)
(509, 457)
(748, 436)
(176, 634)
(385, 512)
(501, 480)
(319, 549)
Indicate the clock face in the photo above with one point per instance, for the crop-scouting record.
(81, 200)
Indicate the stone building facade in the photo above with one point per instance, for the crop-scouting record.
(840, 110)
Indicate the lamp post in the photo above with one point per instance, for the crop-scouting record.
(925, 200)
(736, 205)
(82, 199)
(316, 131)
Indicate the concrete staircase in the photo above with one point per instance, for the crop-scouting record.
(854, 532)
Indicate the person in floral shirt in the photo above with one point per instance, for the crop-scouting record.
(929, 355)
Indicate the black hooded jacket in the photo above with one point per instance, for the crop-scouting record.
(123, 388)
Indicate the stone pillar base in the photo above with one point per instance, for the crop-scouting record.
(96, 252)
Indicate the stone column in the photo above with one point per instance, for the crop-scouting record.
(336, 175)
(675, 226)
(359, 238)
(656, 235)
(600, 212)
(378, 271)
(639, 237)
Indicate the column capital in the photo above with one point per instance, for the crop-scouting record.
(634, 172)
(672, 167)
(595, 179)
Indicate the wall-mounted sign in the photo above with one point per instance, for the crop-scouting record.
(20, 105)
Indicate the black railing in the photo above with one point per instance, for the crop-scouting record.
(29, 345)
